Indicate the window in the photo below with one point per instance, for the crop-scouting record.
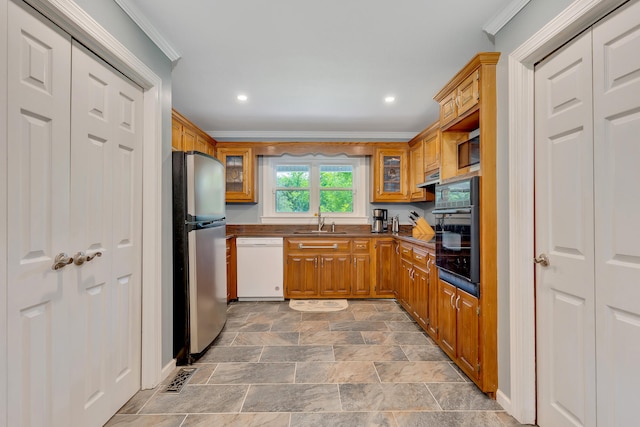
(294, 188)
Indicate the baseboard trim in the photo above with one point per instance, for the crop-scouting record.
(167, 369)
(504, 401)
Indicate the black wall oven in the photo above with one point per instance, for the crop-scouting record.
(457, 233)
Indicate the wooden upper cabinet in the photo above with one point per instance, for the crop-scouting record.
(188, 139)
(463, 95)
(390, 175)
(239, 166)
(461, 99)
(176, 135)
(468, 94)
(185, 136)
(432, 151)
(448, 110)
(416, 170)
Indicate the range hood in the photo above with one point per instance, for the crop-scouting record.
(430, 179)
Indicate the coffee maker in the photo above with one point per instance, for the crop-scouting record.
(380, 223)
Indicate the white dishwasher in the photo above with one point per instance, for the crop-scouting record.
(260, 268)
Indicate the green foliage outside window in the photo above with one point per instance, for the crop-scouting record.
(336, 189)
(293, 187)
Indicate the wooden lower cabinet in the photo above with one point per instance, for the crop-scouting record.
(334, 275)
(386, 266)
(406, 285)
(458, 327)
(327, 268)
(361, 279)
(232, 282)
(447, 318)
(416, 285)
(301, 276)
(432, 298)
(420, 303)
(467, 333)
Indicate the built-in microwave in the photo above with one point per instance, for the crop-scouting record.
(469, 150)
(457, 233)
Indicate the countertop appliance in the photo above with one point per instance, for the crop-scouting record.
(458, 234)
(199, 253)
(380, 222)
(260, 268)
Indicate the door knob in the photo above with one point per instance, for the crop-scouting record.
(81, 257)
(542, 259)
(61, 260)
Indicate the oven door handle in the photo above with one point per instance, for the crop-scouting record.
(456, 248)
(451, 211)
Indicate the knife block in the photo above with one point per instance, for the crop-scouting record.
(422, 230)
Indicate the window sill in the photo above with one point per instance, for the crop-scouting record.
(359, 220)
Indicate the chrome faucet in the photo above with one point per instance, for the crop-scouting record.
(320, 220)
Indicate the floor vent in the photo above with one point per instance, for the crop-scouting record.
(179, 380)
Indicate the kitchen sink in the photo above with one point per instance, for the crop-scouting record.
(318, 233)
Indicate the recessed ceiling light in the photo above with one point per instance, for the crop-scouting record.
(242, 97)
(389, 99)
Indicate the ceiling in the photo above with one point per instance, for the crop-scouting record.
(316, 70)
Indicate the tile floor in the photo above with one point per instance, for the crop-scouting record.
(369, 365)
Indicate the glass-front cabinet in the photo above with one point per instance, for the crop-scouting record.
(239, 174)
(391, 175)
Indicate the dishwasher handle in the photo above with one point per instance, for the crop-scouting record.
(303, 246)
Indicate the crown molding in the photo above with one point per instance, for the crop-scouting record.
(138, 17)
(311, 136)
(503, 17)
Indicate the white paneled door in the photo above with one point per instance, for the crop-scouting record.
(616, 96)
(74, 188)
(39, 298)
(587, 174)
(106, 178)
(565, 320)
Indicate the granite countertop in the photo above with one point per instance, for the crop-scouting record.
(258, 230)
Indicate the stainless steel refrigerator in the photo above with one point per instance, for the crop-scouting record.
(199, 253)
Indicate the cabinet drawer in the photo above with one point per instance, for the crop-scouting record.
(316, 245)
(406, 251)
(361, 245)
(420, 256)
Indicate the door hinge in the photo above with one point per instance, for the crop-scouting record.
(478, 367)
(478, 310)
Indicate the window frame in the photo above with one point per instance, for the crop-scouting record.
(269, 214)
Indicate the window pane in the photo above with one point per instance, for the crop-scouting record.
(292, 201)
(336, 201)
(337, 176)
(292, 176)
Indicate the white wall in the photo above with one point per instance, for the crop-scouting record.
(527, 22)
(108, 14)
